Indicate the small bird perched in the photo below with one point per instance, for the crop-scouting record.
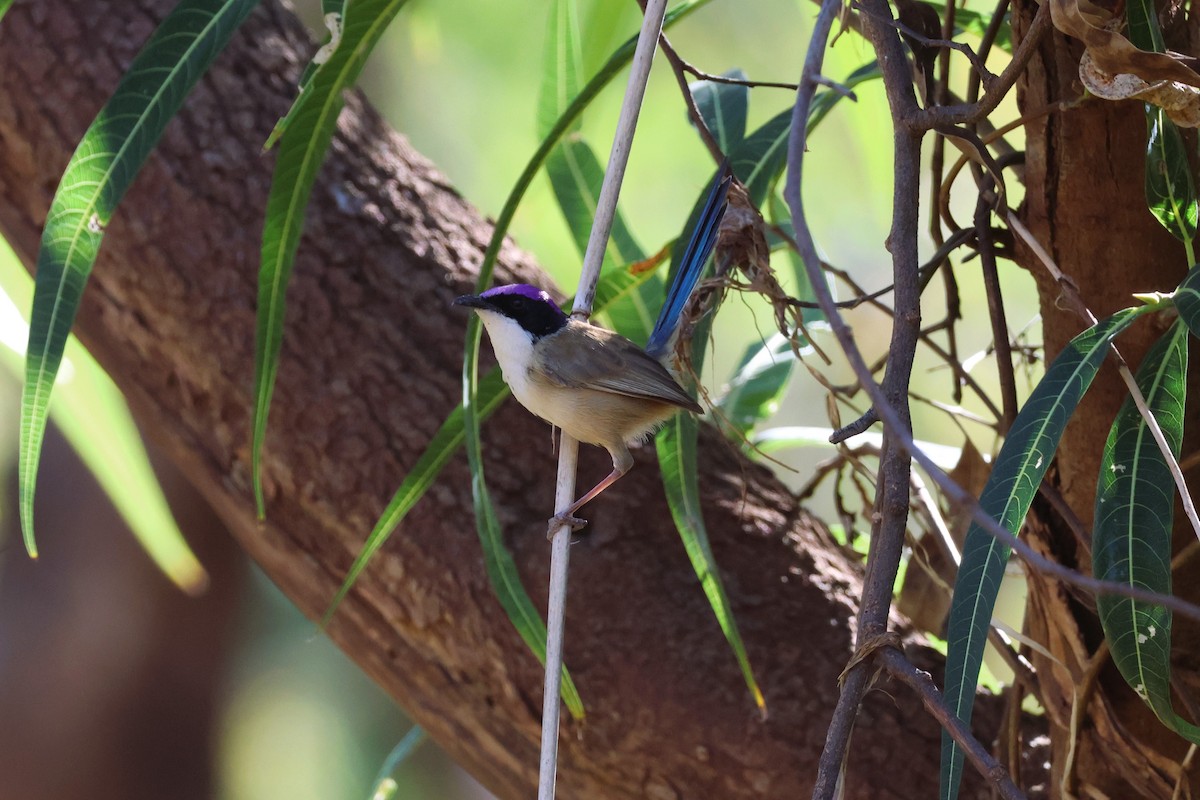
(594, 384)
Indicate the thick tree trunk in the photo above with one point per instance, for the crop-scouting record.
(370, 367)
(1085, 203)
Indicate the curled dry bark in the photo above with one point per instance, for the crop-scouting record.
(369, 369)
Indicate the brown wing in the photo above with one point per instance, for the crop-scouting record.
(584, 355)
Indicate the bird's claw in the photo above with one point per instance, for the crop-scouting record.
(559, 520)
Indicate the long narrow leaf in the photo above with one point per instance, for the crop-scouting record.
(385, 787)
(501, 569)
(1170, 189)
(309, 129)
(676, 448)
(1187, 300)
(1135, 501)
(723, 108)
(576, 174)
(511, 592)
(108, 158)
(562, 65)
(92, 415)
(758, 383)
(1018, 472)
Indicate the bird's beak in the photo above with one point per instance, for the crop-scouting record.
(472, 301)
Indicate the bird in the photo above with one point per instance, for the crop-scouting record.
(590, 382)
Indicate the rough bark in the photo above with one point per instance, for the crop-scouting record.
(1085, 202)
(370, 367)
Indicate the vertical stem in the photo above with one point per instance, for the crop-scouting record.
(606, 207)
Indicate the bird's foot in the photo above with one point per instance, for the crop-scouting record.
(559, 520)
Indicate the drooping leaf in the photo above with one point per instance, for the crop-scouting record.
(576, 174)
(723, 108)
(385, 785)
(761, 156)
(1187, 300)
(758, 383)
(1170, 188)
(92, 415)
(1018, 471)
(501, 569)
(104, 165)
(759, 159)
(1131, 544)
(511, 592)
(305, 138)
(562, 66)
(676, 448)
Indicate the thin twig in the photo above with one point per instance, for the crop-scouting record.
(900, 668)
(995, 298)
(997, 89)
(678, 67)
(891, 503)
(568, 453)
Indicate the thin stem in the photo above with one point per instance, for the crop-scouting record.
(900, 668)
(564, 495)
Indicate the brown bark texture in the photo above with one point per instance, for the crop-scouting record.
(1085, 202)
(370, 368)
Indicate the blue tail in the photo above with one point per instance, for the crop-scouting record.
(691, 265)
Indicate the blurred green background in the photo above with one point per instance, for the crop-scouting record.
(292, 718)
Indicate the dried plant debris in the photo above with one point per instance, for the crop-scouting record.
(1114, 69)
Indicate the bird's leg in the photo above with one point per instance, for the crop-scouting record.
(622, 462)
(567, 517)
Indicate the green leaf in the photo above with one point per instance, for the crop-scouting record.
(576, 174)
(761, 156)
(1187, 300)
(676, 447)
(4, 6)
(512, 594)
(758, 383)
(562, 64)
(1170, 190)
(385, 785)
(1135, 502)
(92, 415)
(759, 159)
(1143, 26)
(723, 108)
(1016, 475)
(306, 137)
(108, 158)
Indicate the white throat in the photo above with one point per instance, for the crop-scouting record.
(514, 350)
